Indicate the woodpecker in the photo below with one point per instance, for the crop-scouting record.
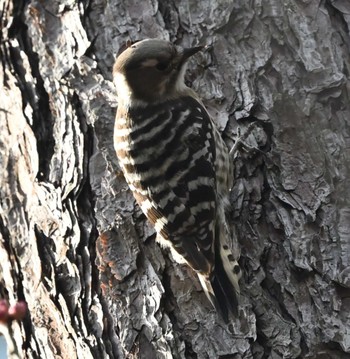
(176, 164)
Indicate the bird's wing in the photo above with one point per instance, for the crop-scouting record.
(179, 198)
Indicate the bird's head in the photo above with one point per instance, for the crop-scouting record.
(151, 70)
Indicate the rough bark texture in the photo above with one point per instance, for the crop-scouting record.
(282, 66)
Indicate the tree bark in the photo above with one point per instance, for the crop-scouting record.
(73, 242)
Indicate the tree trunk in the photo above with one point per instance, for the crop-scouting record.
(73, 242)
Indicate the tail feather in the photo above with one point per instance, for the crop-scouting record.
(225, 291)
(221, 288)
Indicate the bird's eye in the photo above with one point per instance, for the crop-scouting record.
(162, 66)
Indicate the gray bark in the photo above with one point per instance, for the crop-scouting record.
(76, 247)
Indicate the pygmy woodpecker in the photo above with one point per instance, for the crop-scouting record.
(176, 164)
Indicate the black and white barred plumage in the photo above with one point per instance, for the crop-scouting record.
(176, 163)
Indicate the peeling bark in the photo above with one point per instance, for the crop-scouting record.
(73, 242)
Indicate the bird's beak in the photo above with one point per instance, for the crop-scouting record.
(190, 51)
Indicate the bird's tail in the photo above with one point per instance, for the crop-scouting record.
(221, 286)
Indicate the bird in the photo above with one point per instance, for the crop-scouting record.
(176, 164)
